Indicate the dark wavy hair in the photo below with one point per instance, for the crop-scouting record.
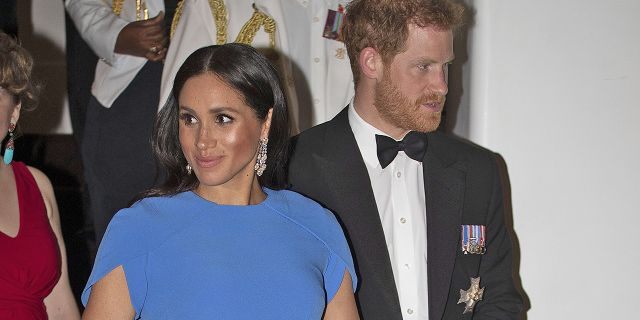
(252, 76)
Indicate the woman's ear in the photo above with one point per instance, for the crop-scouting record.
(266, 125)
(15, 115)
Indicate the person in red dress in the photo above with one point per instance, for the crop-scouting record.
(33, 271)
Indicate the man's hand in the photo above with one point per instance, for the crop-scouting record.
(144, 38)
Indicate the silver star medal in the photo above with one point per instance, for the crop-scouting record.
(472, 295)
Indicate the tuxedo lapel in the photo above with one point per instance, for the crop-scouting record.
(444, 180)
(346, 175)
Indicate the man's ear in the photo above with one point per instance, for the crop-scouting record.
(266, 125)
(370, 62)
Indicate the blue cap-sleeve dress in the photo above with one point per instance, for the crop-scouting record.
(187, 258)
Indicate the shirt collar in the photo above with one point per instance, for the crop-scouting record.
(365, 135)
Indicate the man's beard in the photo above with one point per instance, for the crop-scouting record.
(396, 109)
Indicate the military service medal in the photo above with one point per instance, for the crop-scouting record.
(473, 239)
(471, 296)
(333, 25)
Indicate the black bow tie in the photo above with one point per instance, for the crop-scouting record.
(414, 145)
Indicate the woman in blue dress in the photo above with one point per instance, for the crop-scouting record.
(221, 239)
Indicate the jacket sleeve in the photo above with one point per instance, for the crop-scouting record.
(502, 300)
(98, 26)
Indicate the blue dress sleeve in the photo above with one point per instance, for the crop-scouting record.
(124, 244)
(340, 260)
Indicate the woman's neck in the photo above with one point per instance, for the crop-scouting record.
(228, 194)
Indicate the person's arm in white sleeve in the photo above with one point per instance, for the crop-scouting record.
(97, 24)
(108, 35)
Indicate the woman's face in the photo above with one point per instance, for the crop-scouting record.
(219, 133)
(9, 111)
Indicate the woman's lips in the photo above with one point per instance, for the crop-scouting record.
(208, 162)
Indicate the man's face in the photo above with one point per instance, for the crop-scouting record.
(412, 91)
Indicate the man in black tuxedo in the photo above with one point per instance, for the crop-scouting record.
(423, 212)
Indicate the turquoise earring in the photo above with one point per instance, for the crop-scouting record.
(8, 150)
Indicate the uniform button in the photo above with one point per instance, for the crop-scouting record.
(316, 60)
(410, 311)
(406, 266)
(398, 174)
(316, 101)
(403, 220)
(316, 19)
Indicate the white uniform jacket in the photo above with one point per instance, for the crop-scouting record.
(316, 73)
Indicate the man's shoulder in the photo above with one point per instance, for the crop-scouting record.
(309, 140)
(456, 148)
(316, 132)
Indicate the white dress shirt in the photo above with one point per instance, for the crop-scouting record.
(400, 198)
(99, 27)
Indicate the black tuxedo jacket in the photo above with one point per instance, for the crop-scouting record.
(462, 187)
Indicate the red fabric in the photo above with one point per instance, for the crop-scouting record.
(30, 262)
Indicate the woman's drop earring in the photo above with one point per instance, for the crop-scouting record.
(8, 150)
(261, 162)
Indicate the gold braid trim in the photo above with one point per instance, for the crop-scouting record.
(219, 12)
(220, 16)
(116, 6)
(176, 18)
(249, 30)
(141, 9)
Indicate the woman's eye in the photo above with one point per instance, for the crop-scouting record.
(223, 119)
(188, 119)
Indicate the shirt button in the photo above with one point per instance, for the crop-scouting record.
(316, 101)
(406, 266)
(410, 311)
(398, 174)
(403, 220)
(316, 19)
(316, 60)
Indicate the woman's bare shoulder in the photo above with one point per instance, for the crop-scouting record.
(46, 189)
